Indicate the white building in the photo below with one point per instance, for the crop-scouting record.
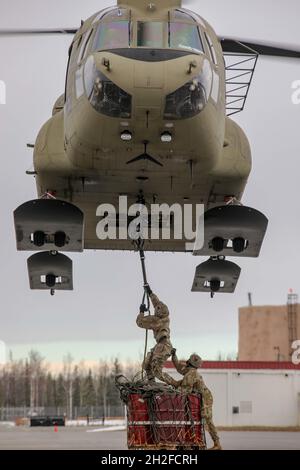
(252, 393)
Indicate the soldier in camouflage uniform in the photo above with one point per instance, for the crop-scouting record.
(192, 382)
(159, 323)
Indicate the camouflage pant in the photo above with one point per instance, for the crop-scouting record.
(209, 425)
(155, 361)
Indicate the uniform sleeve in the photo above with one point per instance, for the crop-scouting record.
(187, 384)
(149, 322)
(179, 367)
(176, 383)
(199, 384)
(158, 304)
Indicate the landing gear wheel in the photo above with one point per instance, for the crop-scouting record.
(60, 239)
(218, 244)
(215, 285)
(50, 280)
(238, 245)
(39, 238)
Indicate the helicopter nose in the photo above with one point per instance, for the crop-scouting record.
(149, 85)
(120, 87)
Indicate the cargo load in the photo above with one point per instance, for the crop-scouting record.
(161, 418)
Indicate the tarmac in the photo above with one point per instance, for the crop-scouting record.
(25, 438)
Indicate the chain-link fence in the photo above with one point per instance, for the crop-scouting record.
(89, 413)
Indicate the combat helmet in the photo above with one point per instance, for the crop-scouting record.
(194, 361)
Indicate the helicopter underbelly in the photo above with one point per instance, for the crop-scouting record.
(179, 181)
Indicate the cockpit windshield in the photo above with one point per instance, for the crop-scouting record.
(185, 36)
(150, 34)
(180, 35)
(184, 32)
(116, 31)
(113, 31)
(112, 35)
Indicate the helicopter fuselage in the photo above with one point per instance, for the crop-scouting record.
(143, 112)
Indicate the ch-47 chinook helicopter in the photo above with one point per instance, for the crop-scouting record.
(145, 114)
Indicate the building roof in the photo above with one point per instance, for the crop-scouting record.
(244, 365)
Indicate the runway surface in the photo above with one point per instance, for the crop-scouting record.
(12, 438)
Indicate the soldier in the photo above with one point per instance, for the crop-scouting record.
(192, 382)
(159, 323)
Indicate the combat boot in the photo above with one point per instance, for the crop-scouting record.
(216, 446)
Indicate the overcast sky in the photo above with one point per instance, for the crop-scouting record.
(98, 318)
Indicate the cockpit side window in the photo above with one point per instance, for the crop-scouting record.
(84, 44)
(211, 49)
(150, 34)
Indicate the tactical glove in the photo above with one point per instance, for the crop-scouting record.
(143, 308)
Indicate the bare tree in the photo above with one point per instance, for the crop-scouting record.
(69, 375)
(35, 372)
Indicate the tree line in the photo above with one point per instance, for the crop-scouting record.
(30, 383)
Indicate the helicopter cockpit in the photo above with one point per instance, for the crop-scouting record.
(116, 29)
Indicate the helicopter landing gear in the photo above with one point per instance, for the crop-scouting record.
(233, 230)
(50, 271)
(229, 230)
(216, 275)
(49, 223)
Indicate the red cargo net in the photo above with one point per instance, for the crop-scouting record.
(165, 421)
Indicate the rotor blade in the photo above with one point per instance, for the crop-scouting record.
(28, 32)
(240, 46)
